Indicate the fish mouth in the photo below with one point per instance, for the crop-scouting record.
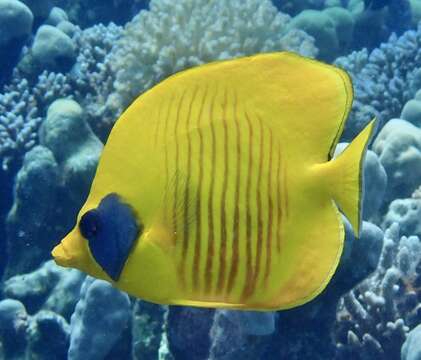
(61, 255)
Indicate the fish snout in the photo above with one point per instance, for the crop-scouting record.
(68, 252)
(61, 255)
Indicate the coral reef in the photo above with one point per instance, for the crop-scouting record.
(15, 22)
(68, 72)
(21, 109)
(24, 102)
(40, 8)
(90, 12)
(173, 36)
(52, 50)
(398, 146)
(411, 349)
(331, 28)
(75, 147)
(40, 328)
(294, 7)
(48, 288)
(184, 343)
(374, 318)
(412, 110)
(26, 226)
(406, 212)
(25, 337)
(304, 332)
(149, 331)
(13, 325)
(384, 80)
(240, 334)
(56, 16)
(101, 317)
(66, 160)
(15, 28)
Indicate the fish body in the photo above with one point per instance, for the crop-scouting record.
(228, 174)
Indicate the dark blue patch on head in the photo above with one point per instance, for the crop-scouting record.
(111, 230)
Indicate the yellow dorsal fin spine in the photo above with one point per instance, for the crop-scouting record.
(346, 173)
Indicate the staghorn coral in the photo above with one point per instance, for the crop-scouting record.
(374, 318)
(92, 78)
(173, 36)
(384, 79)
(24, 102)
(22, 106)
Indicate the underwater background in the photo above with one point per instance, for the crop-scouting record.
(67, 71)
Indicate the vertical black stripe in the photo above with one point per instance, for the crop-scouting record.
(211, 225)
(279, 202)
(270, 212)
(187, 188)
(177, 160)
(167, 171)
(259, 242)
(236, 223)
(249, 258)
(197, 249)
(223, 249)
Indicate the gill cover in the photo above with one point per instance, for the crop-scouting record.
(111, 231)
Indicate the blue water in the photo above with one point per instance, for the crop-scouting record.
(68, 69)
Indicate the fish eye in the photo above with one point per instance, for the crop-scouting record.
(90, 224)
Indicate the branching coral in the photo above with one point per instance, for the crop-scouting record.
(375, 317)
(21, 111)
(384, 80)
(92, 79)
(176, 35)
(24, 102)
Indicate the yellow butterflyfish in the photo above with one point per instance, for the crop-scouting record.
(217, 187)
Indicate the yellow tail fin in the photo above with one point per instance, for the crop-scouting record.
(347, 171)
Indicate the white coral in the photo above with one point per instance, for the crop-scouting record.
(175, 35)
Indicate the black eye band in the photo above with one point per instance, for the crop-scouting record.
(90, 224)
(111, 231)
